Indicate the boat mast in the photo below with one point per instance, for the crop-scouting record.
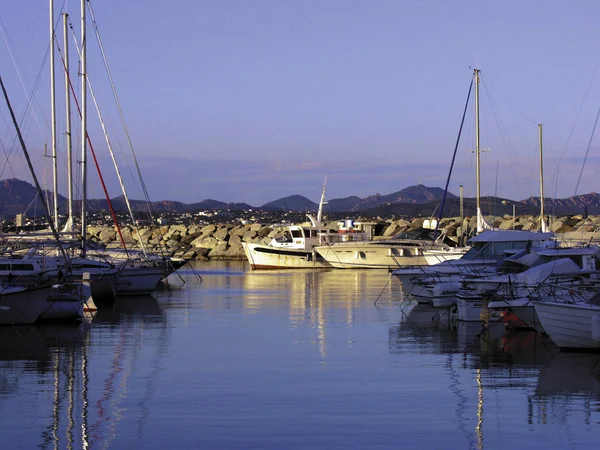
(53, 116)
(542, 216)
(68, 131)
(83, 130)
(477, 154)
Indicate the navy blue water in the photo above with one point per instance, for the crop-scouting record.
(291, 359)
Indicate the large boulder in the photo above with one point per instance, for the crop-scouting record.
(264, 232)
(219, 251)
(221, 234)
(107, 235)
(206, 242)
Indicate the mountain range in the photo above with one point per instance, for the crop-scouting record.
(17, 196)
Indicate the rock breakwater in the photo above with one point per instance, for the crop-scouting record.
(224, 241)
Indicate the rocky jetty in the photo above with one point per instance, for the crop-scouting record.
(224, 241)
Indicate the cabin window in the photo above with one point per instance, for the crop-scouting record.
(22, 266)
(297, 233)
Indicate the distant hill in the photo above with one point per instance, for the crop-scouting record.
(18, 196)
(291, 203)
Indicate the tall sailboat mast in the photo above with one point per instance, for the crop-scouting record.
(69, 141)
(53, 116)
(542, 216)
(477, 154)
(83, 130)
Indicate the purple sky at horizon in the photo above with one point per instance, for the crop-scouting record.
(252, 101)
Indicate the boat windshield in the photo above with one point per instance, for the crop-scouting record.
(418, 234)
(592, 264)
(493, 250)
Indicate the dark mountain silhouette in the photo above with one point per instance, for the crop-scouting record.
(18, 196)
(291, 203)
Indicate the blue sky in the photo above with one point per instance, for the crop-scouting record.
(249, 101)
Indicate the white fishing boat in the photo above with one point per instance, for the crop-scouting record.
(296, 248)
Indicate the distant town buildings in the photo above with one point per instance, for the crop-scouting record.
(23, 222)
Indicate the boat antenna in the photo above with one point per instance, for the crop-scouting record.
(322, 202)
(35, 180)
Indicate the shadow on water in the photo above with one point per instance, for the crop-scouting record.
(570, 374)
(23, 343)
(131, 308)
(37, 342)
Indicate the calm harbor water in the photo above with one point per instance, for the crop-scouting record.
(289, 359)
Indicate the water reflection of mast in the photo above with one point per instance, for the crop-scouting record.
(320, 319)
(157, 368)
(56, 403)
(70, 409)
(478, 428)
(84, 397)
(462, 400)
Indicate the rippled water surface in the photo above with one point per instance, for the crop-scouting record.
(289, 359)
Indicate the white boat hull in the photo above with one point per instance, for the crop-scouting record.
(138, 280)
(359, 255)
(570, 326)
(23, 306)
(269, 257)
(66, 301)
(440, 295)
(468, 309)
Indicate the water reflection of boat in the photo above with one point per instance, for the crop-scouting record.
(59, 334)
(423, 331)
(570, 374)
(22, 343)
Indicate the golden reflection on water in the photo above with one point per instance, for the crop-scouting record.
(316, 297)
